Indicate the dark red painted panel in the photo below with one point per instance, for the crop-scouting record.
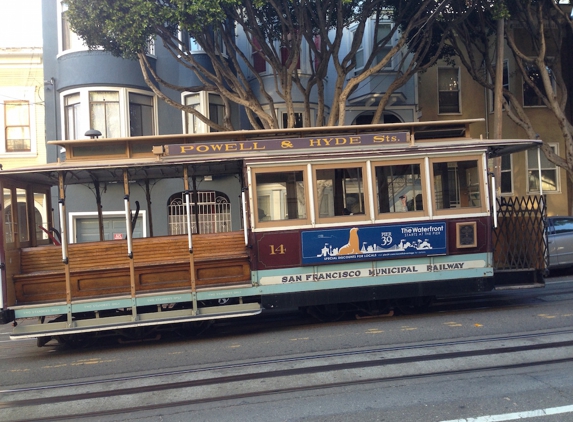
(278, 249)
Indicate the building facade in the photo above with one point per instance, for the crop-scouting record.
(22, 140)
(448, 92)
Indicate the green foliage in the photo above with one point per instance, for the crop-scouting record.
(125, 27)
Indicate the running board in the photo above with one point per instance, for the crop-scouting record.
(127, 321)
(529, 278)
(520, 286)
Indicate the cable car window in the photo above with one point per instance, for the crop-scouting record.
(280, 196)
(457, 184)
(340, 192)
(399, 188)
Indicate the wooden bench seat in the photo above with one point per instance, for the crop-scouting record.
(103, 268)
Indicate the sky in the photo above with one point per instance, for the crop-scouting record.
(20, 23)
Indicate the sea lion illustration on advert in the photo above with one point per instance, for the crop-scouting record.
(353, 245)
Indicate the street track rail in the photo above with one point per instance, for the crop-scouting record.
(250, 379)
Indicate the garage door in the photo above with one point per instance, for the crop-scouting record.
(87, 229)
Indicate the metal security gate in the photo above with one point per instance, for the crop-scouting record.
(213, 214)
(520, 242)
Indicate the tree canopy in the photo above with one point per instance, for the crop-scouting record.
(538, 35)
(277, 33)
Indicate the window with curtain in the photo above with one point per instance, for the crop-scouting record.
(105, 113)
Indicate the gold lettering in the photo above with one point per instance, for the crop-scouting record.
(202, 148)
(217, 147)
(314, 142)
(280, 250)
(355, 140)
(230, 147)
(286, 144)
(379, 138)
(257, 148)
(185, 148)
(243, 148)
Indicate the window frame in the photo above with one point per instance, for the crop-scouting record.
(540, 103)
(19, 94)
(507, 171)
(297, 114)
(359, 51)
(144, 111)
(459, 90)
(401, 214)
(75, 42)
(203, 105)
(388, 46)
(535, 170)
(483, 208)
(505, 84)
(84, 120)
(365, 188)
(11, 125)
(253, 171)
(190, 120)
(20, 194)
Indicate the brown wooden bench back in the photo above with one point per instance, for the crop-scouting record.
(151, 250)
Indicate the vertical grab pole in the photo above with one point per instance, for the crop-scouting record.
(190, 240)
(129, 243)
(493, 200)
(189, 227)
(64, 236)
(245, 222)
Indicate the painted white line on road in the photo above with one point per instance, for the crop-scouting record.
(518, 415)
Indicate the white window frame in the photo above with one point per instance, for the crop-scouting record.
(202, 106)
(389, 45)
(77, 44)
(15, 93)
(535, 170)
(74, 216)
(459, 89)
(197, 124)
(366, 46)
(84, 108)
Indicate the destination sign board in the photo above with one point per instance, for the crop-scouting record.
(286, 144)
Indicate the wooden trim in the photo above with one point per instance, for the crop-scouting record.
(424, 192)
(343, 218)
(280, 223)
(482, 208)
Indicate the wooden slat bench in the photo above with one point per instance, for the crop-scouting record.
(102, 268)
